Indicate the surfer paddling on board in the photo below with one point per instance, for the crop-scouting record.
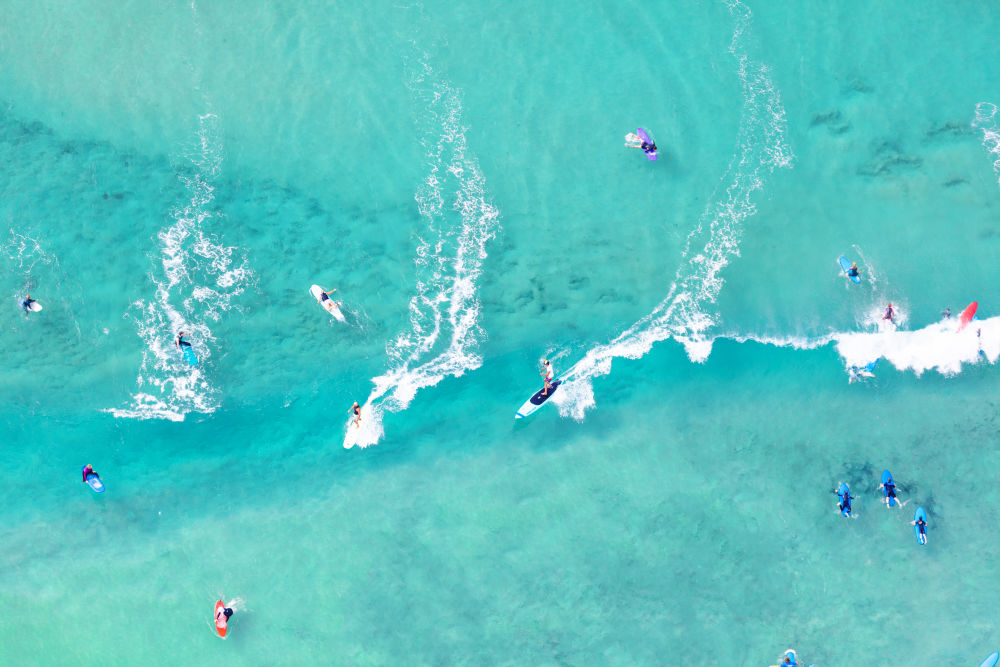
(922, 528)
(356, 412)
(181, 343)
(325, 296)
(890, 313)
(548, 373)
(89, 470)
(26, 303)
(890, 491)
(222, 616)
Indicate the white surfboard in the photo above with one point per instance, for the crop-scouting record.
(329, 304)
(537, 401)
(34, 306)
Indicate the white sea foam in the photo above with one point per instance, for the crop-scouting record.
(761, 148)
(458, 220)
(197, 282)
(986, 120)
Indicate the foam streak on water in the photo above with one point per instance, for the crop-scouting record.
(459, 220)
(761, 147)
(986, 120)
(196, 283)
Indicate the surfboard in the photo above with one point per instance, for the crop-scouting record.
(920, 514)
(846, 266)
(537, 401)
(34, 307)
(328, 304)
(967, 315)
(189, 355)
(790, 654)
(645, 137)
(220, 624)
(887, 477)
(991, 660)
(94, 482)
(844, 493)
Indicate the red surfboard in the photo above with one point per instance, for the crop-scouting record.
(220, 623)
(967, 315)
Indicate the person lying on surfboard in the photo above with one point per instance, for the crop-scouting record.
(890, 313)
(26, 304)
(222, 617)
(890, 491)
(181, 343)
(325, 296)
(548, 373)
(853, 271)
(89, 470)
(356, 411)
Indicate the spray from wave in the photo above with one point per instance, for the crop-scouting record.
(986, 120)
(714, 241)
(197, 281)
(444, 313)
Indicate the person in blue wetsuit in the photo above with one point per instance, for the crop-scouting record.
(922, 526)
(26, 303)
(89, 470)
(890, 491)
(845, 502)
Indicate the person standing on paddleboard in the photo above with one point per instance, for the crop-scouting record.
(356, 411)
(549, 374)
(89, 470)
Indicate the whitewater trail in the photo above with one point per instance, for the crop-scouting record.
(197, 280)
(761, 148)
(459, 221)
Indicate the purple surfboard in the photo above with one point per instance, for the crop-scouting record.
(645, 137)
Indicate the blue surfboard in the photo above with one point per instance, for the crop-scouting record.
(94, 481)
(844, 493)
(917, 516)
(790, 654)
(991, 660)
(846, 266)
(189, 355)
(887, 478)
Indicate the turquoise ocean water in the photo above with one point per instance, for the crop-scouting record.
(458, 173)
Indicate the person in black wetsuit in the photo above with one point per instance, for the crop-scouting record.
(648, 147)
(181, 343)
(890, 491)
(853, 271)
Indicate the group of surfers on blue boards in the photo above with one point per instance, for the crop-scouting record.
(888, 488)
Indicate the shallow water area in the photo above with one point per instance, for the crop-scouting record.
(459, 177)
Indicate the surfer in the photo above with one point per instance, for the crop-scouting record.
(181, 343)
(890, 491)
(89, 470)
(26, 303)
(890, 313)
(946, 314)
(325, 296)
(222, 616)
(979, 339)
(922, 527)
(356, 411)
(548, 373)
(853, 271)
(648, 146)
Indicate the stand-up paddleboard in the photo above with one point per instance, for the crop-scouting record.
(846, 266)
(887, 477)
(920, 514)
(990, 660)
(645, 137)
(220, 623)
(844, 493)
(329, 304)
(93, 481)
(537, 401)
(967, 315)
